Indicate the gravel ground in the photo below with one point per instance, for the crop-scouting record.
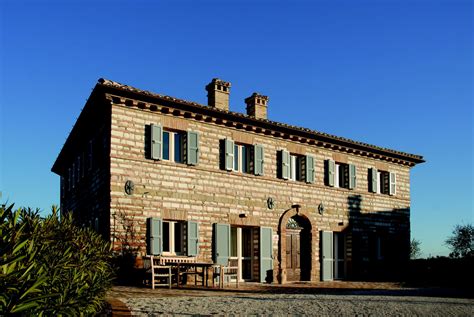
(301, 304)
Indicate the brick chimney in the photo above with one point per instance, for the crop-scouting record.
(257, 106)
(218, 92)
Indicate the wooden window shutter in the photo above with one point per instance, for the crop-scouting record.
(352, 176)
(309, 169)
(327, 251)
(258, 159)
(156, 146)
(192, 242)
(221, 243)
(373, 180)
(285, 164)
(266, 255)
(229, 154)
(154, 236)
(393, 184)
(330, 172)
(192, 148)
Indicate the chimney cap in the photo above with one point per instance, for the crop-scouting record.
(217, 81)
(254, 96)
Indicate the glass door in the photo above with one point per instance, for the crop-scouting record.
(340, 256)
(241, 250)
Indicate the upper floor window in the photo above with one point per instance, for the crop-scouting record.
(244, 158)
(382, 182)
(296, 167)
(173, 146)
(179, 147)
(340, 175)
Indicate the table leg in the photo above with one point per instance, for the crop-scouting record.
(178, 275)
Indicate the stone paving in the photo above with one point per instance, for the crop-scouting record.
(322, 299)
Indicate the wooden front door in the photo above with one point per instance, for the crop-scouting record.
(293, 254)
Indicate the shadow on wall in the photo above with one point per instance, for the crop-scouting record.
(379, 240)
(125, 239)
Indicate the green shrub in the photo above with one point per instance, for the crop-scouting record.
(50, 266)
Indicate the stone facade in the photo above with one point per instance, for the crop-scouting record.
(374, 227)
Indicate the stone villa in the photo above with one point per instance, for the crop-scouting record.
(161, 175)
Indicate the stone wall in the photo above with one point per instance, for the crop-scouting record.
(208, 194)
(88, 197)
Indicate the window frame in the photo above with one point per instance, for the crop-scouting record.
(172, 243)
(296, 168)
(238, 160)
(171, 145)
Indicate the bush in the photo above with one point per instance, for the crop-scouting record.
(441, 272)
(49, 266)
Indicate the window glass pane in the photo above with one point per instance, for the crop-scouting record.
(166, 145)
(166, 236)
(178, 237)
(246, 269)
(178, 148)
(245, 159)
(340, 246)
(233, 241)
(236, 157)
(340, 270)
(340, 175)
(298, 168)
(292, 167)
(246, 242)
(379, 182)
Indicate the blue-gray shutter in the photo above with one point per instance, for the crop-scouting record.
(154, 236)
(221, 243)
(266, 255)
(192, 148)
(330, 172)
(309, 169)
(373, 179)
(392, 184)
(156, 146)
(352, 176)
(192, 242)
(327, 251)
(229, 154)
(258, 159)
(285, 164)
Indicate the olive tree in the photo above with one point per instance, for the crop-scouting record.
(461, 242)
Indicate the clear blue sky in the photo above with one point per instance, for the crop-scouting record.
(397, 74)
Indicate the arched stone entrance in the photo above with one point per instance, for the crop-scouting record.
(296, 247)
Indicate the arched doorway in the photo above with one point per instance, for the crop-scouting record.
(298, 249)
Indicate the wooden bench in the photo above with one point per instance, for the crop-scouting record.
(173, 262)
(165, 260)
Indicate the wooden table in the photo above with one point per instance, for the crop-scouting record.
(187, 268)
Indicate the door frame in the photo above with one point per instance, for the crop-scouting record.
(280, 275)
(239, 256)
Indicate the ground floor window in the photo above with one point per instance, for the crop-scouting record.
(173, 237)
